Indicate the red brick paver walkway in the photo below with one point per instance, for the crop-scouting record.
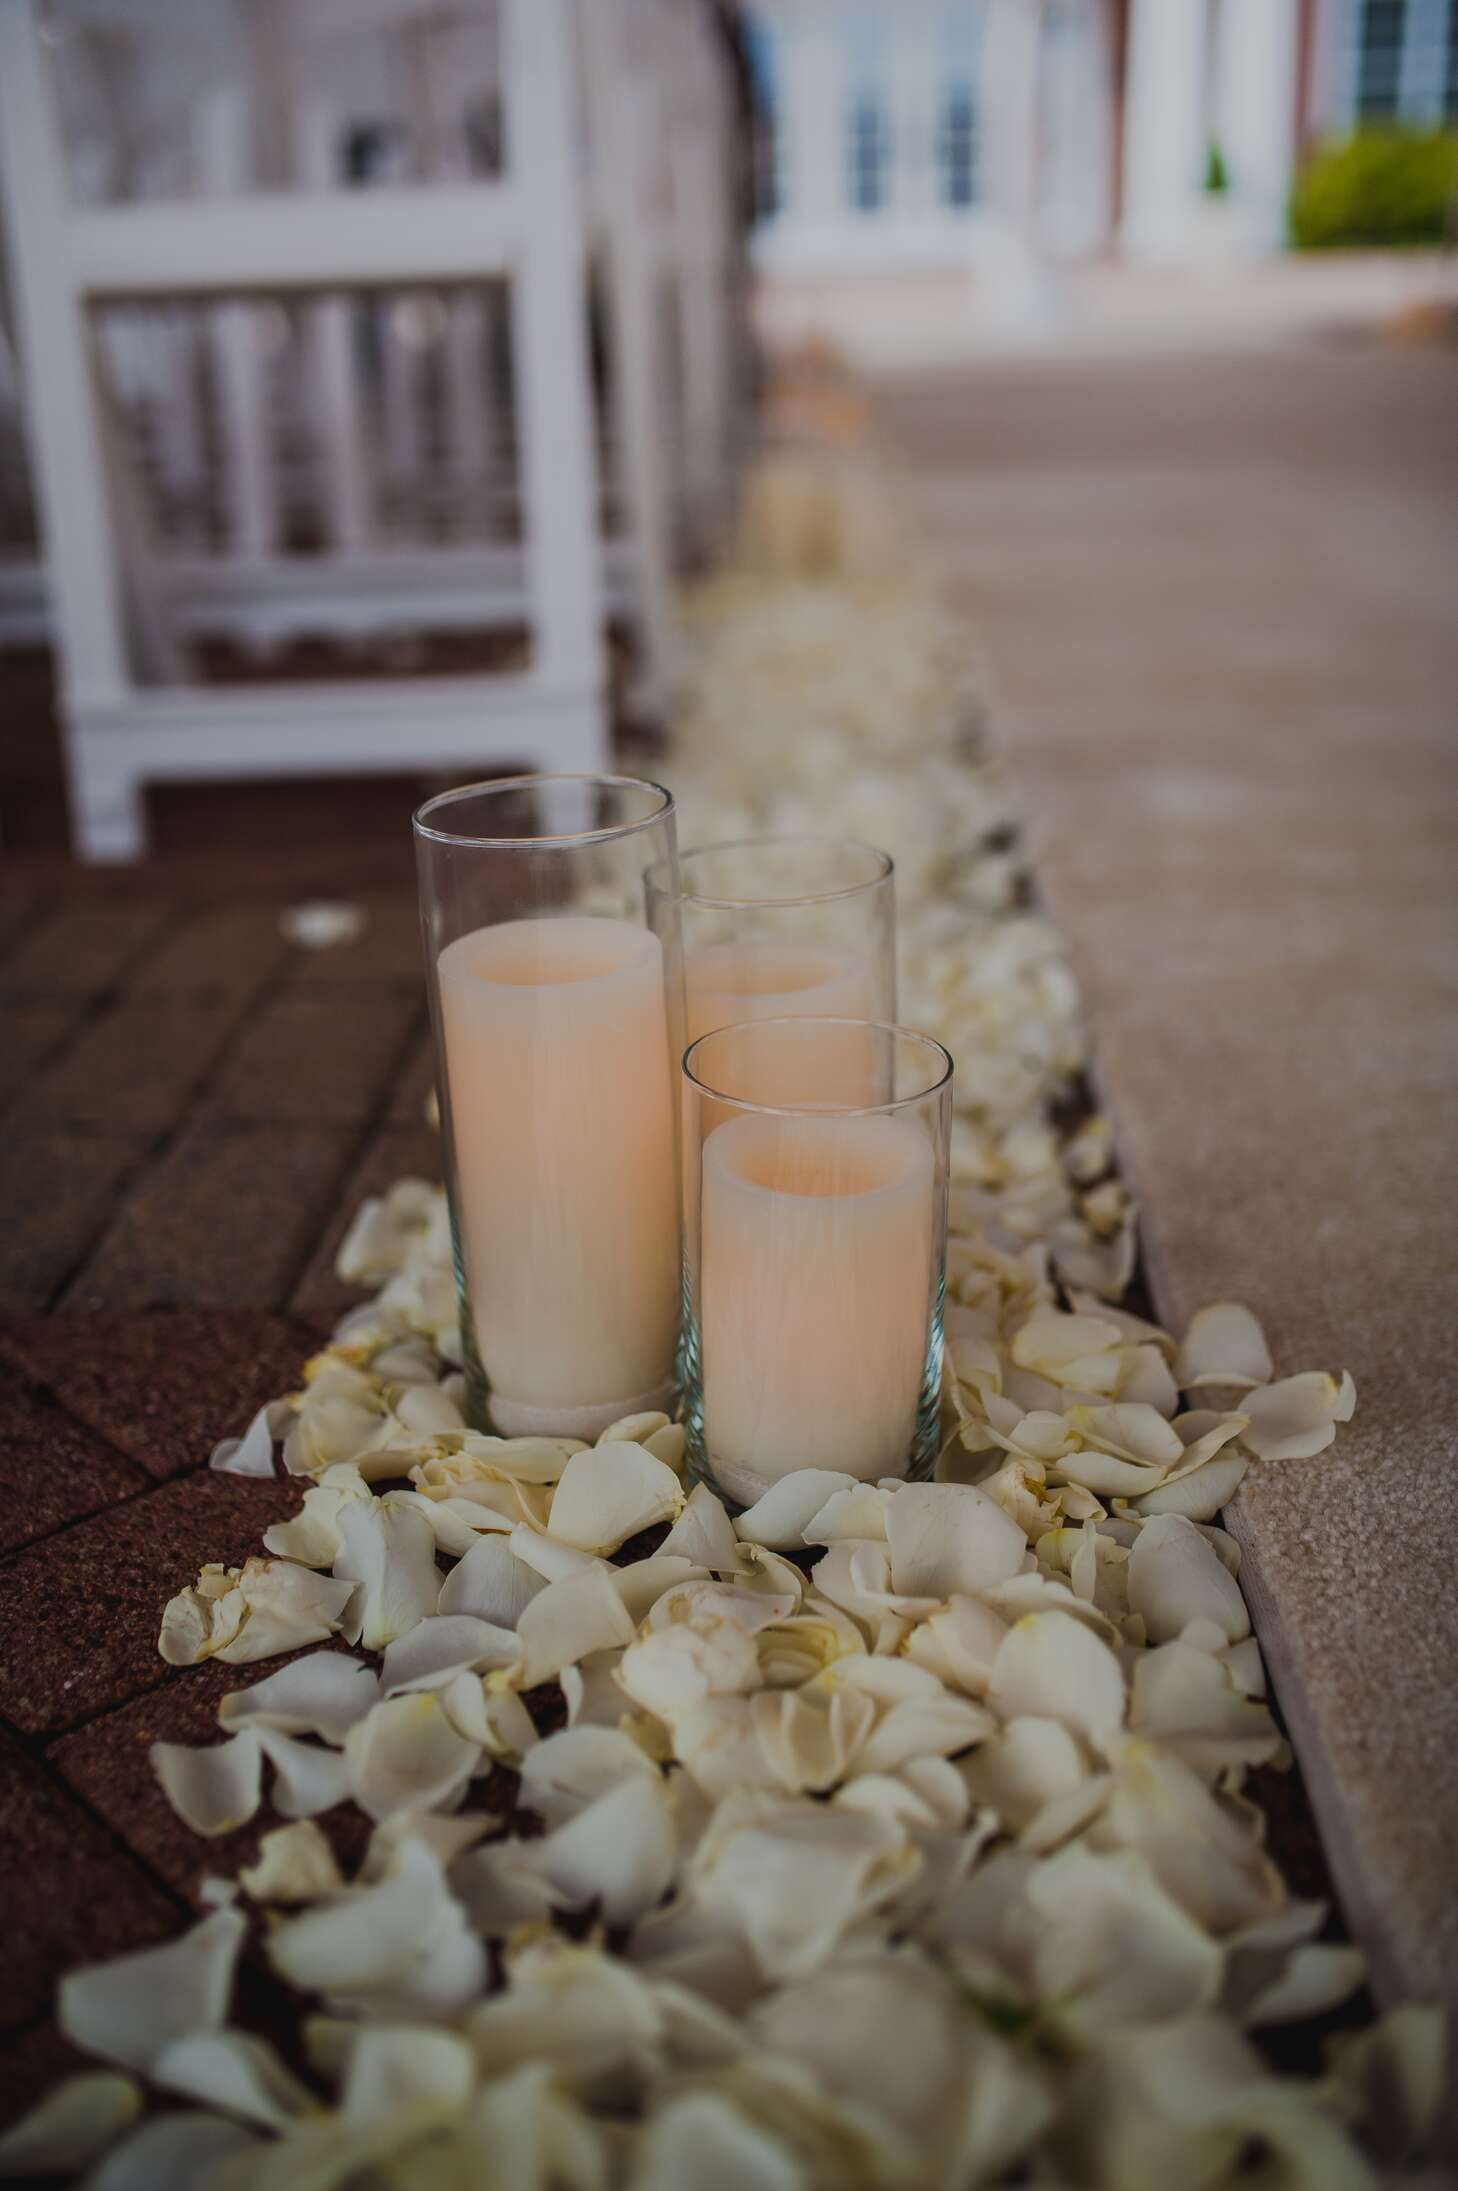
(190, 1111)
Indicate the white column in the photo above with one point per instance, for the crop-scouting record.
(550, 354)
(250, 481)
(1164, 137)
(1022, 302)
(62, 415)
(334, 395)
(1255, 123)
(814, 76)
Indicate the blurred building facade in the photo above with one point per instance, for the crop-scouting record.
(931, 135)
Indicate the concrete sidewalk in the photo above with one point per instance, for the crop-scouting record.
(1219, 598)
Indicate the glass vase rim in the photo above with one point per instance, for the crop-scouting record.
(422, 826)
(747, 1104)
(721, 903)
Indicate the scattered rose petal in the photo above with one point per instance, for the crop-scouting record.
(129, 2009)
(1053, 1667)
(1297, 1418)
(406, 1755)
(213, 1790)
(609, 1493)
(323, 1695)
(950, 1539)
(71, 2126)
(780, 1516)
(1223, 1345)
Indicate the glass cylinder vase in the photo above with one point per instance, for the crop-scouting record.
(815, 1256)
(558, 1017)
(779, 927)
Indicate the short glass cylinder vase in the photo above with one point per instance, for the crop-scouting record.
(558, 1018)
(779, 927)
(815, 1241)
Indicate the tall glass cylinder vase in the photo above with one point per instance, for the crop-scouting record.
(558, 1017)
(777, 927)
(815, 1243)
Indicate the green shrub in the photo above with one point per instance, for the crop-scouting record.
(1385, 185)
(1217, 181)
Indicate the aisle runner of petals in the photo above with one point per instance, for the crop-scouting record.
(888, 1835)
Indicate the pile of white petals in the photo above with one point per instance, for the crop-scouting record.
(894, 1835)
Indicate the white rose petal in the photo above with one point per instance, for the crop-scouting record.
(490, 1582)
(618, 1853)
(252, 1454)
(1112, 1948)
(677, 1667)
(1175, 1577)
(405, 1940)
(1189, 1699)
(569, 1770)
(642, 1583)
(1201, 1494)
(237, 2074)
(1030, 1763)
(1224, 1345)
(395, 2068)
(780, 1516)
(701, 2139)
(704, 1533)
(213, 1790)
(129, 2009)
(858, 1512)
(960, 1644)
(405, 1754)
(441, 1646)
(609, 1493)
(388, 1553)
(950, 1539)
(1051, 1666)
(1297, 1418)
(295, 1864)
(794, 1877)
(306, 1779)
(71, 2126)
(312, 1535)
(175, 2153)
(570, 1620)
(323, 1695)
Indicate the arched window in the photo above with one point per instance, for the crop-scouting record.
(957, 143)
(868, 120)
(767, 123)
(1379, 58)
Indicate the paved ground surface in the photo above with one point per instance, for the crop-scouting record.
(1220, 602)
(190, 1111)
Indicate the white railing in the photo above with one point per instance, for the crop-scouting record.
(122, 593)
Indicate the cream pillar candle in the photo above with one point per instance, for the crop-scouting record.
(727, 983)
(557, 1061)
(816, 1261)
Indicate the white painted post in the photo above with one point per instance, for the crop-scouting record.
(250, 474)
(1022, 299)
(467, 401)
(550, 360)
(1256, 113)
(335, 406)
(816, 166)
(1164, 136)
(621, 102)
(61, 409)
(702, 273)
(401, 321)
